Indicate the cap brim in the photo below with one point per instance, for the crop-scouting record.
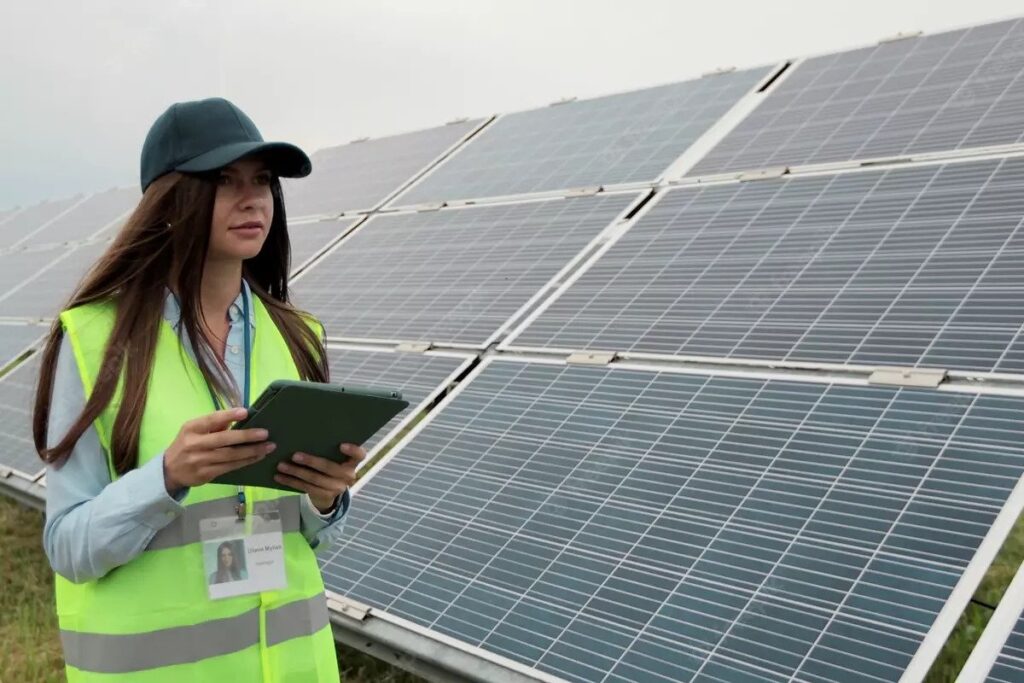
(283, 159)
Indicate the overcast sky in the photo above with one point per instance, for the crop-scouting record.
(81, 81)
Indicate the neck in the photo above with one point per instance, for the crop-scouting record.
(222, 281)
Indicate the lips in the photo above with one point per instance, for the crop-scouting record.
(251, 225)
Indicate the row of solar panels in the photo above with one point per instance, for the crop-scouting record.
(951, 91)
(958, 90)
(633, 522)
(910, 266)
(749, 500)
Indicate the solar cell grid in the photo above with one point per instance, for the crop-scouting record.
(620, 525)
(309, 239)
(943, 92)
(32, 218)
(621, 138)
(361, 175)
(449, 276)
(14, 339)
(17, 450)
(96, 213)
(915, 266)
(1009, 666)
(40, 281)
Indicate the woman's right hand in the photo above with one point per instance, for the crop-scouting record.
(205, 449)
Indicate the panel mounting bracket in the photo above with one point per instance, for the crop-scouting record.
(6, 472)
(461, 119)
(415, 347)
(764, 173)
(908, 377)
(899, 36)
(718, 72)
(357, 140)
(583, 191)
(429, 206)
(564, 100)
(591, 358)
(348, 607)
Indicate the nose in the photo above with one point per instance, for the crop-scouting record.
(254, 196)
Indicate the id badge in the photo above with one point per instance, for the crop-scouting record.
(241, 557)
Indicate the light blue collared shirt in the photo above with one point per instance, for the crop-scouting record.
(93, 524)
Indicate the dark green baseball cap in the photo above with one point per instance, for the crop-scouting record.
(204, 135)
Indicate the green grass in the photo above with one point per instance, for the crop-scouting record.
(28, 626)
(31, 651)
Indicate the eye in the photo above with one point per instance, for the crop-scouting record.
(223, 179)
(263, 178)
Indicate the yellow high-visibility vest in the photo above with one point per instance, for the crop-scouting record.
(151, 620)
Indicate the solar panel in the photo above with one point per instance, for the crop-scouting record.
(309, 239)
(39, 281)
(99, 212)
(360, 175)
(947, 91)
(916, 266)
(17, 392)
(454, 275)
(1009, 667)
(623, 525)
(623, 138)
(16, 339)
(998, 656)
(33, 218)
(421, 377)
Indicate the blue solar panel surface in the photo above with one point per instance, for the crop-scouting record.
(623, 138)
(1009, 665)
(309, 239)
(360, 175)
(17, 391)
(947, 91)
(915, 266)
(452, 276)
(619, 525)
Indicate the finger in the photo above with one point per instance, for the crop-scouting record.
(232, 437)
(216, 421)
(328, 483)
(230, 454)
(303, 486)
(354, 452)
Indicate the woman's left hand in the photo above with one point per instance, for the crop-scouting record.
(324, 480)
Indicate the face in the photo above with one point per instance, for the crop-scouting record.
(242, 211)
(226, 557)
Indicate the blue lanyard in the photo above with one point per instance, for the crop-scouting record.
(247, 349)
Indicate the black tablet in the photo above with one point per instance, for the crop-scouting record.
(313, 418)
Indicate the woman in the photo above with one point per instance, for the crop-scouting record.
(132, 418)
(229, 564)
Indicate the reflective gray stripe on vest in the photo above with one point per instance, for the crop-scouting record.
(184, 529)
(118, 654)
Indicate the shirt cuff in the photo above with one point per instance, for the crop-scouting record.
(156, 508)
(339, 508)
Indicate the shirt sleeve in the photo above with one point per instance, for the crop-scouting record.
(92, 524)
(321, 530)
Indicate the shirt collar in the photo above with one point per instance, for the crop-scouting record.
(172, 311)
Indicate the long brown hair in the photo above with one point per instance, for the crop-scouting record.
(163, 244)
